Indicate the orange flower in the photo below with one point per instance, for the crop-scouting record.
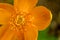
(23, 20)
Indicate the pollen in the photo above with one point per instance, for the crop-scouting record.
(20, 20)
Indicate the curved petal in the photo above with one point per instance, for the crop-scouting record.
(41, 17)
(8, 35)
(24, 5)
(6, 11)
(30, 32)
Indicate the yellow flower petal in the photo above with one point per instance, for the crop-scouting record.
(41, 17)
(8, 35)
(30, 32)
(24, 5)
(6, 11)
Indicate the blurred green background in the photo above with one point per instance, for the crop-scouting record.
(53, 31)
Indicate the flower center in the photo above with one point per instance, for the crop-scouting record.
(20, 20)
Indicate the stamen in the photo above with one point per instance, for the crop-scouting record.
(20, 20)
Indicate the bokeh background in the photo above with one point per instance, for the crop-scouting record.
(53, 31)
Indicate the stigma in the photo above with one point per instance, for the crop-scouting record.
(20, 20)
